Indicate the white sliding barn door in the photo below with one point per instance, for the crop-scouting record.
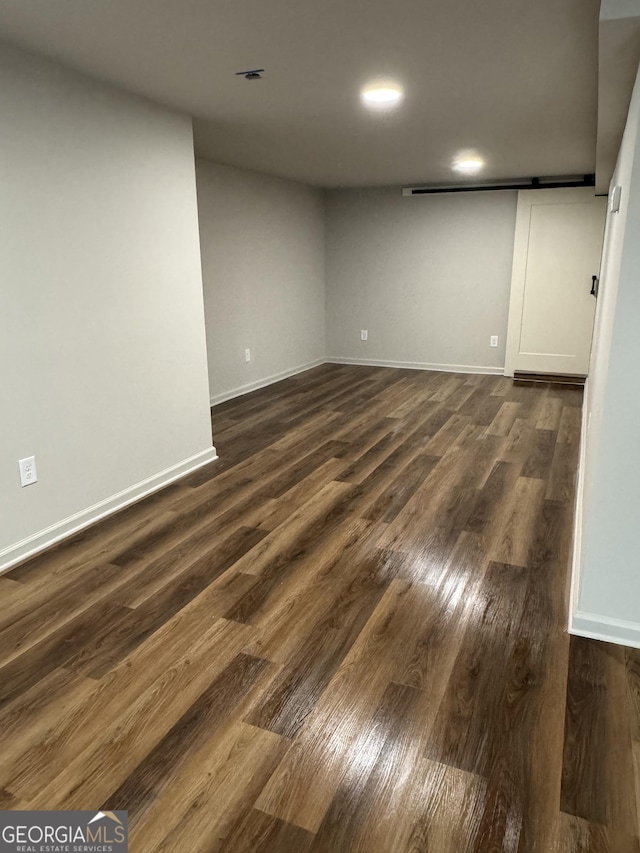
(558, 243)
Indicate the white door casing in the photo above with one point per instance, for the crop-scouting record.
(557, 249)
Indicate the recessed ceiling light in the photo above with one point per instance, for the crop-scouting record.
(382, 96)
(468, 164)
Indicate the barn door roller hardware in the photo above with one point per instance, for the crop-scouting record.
(253, 74)
(510, 184)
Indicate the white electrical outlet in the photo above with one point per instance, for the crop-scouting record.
(28, 473)
(364, 334)
(247, 354)
(493, 341)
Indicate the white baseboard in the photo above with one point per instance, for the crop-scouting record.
(605, 628)
(576, 557)
(262, 383)
(419, 365)
(68, 526)
(285, 374)
(583, 624)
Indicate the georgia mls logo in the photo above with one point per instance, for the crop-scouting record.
(63, 832)
(111, 815)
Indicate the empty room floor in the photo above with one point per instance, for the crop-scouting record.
(348, 634)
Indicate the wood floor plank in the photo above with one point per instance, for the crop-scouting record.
(368, 461)
(7, 801)
(501, 387)
(449, 385)
(462, 735)
(196, 810)
(504, 420)
(632, 664)
(492, 499)
(569, 426)
(96, 544)
(271, 513)
(446, 435)
(9, 585)
(550, 412)
(303, 786)
(636, 773)
(598, 776)
(481, 408)
(539, 460)
(446, 497)
(230, 503)
(222, 698)
(444, 811)
(294, 695)
(257, 832)
(293, 609)
(278, 548)
(117, 749)
(401, 489)
(387, 742)
(562, 475)
(206, 550)
(34, 712)
(451, 591)
(58, 609)
(412, 401)
(456, 401)
(79, 640)
(526, 763)
(60, 735)
(61, 572)
(513, 543)
(517, 446)
(579, 836)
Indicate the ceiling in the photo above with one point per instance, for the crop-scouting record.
(514, 80)
(619, 54)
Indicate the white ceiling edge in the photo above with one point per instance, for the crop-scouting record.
(618, 59)
(474, 76)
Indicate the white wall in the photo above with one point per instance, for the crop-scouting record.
(606, 588)
(428, 276)
(102, 345)
(262, 242)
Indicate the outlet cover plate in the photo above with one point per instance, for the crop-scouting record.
(28, 473)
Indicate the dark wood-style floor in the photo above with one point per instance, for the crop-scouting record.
(346, 635)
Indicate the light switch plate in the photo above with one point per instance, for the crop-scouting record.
(614, 200)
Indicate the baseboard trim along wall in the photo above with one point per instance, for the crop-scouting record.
(68, 526)
(262, 383)
(412, 365)
(582, 624)
(576, 557)
(419, 365)
(605, 628)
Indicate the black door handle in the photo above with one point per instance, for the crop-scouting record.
(595, 281)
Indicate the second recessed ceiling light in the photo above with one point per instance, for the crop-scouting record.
(382, 96)
(468, 165)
